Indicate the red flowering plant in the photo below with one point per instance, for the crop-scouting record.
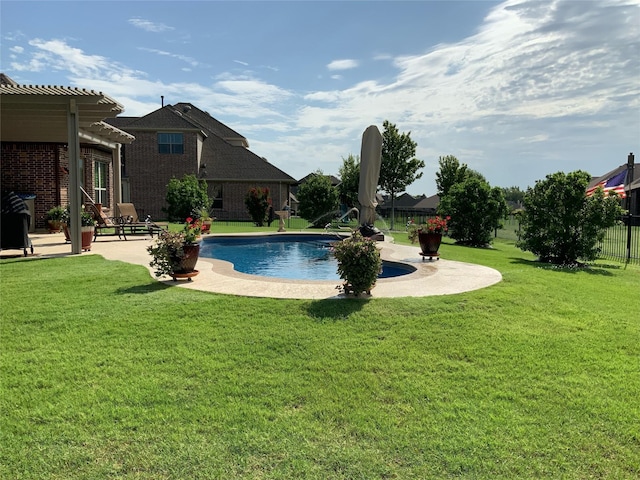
(432, 225)
(192, 230)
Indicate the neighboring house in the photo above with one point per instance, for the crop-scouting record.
(35, 145)
(406, 205)
(182, 139)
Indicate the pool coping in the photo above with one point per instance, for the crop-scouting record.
(437, 277)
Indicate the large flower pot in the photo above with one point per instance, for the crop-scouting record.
(429, 244)
(87, 236)
(187, 264)
(206, 226)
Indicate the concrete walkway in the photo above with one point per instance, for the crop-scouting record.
(438, 277)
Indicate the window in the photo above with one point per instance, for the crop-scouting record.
(217, 196)
(170, 143)
(100, 183)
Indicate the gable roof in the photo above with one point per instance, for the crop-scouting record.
(224, 151)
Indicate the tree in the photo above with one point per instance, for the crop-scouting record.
(450, 173)
(399, 167)
(560, 224)
(258, 201)
(475, 209)
(349, 180)
(185, 196)
(318, 199)
(513, 194)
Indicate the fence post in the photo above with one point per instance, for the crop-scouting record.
(630, 162)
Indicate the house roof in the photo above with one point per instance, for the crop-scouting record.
(334, 180)
(224, 151)
(634, 185)
(38, 113)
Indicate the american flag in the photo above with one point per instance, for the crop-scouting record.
(613, 184)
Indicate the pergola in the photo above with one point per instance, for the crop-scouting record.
(66, 115)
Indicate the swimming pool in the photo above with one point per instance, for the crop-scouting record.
(295, 257)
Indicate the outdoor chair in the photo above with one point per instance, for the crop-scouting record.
(131, 221)
(105, 223)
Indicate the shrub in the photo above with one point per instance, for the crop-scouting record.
(257, 201)
(359, 263)
(185, 196)
(560, 224)
(475, 209)
(318, 200)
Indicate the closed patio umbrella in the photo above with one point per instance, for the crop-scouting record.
(370, 159)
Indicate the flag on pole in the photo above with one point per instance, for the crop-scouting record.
(612, 184)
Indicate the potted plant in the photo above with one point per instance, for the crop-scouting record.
(176, 253)
(87, 228)
(429, 235)
(56, 217)
(205, 218)
(359, 263)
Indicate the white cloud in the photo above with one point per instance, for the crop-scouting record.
(345, 64)
(17, 49)
(149, 26)
(191, 61)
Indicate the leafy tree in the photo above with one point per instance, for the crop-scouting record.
(185, 196)
(560, 224)
(257, 200)
(318, 199)
(513, 194)
(450, 173)
(399, 167)
(349, 180)
(475, 210)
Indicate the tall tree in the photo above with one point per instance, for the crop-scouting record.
(349, 180)
(399, 167)
(450, 173)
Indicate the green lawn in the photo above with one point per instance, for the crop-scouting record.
(108, 374)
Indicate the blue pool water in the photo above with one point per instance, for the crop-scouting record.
(297, 257)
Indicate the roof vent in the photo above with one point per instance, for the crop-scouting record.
(186, 108)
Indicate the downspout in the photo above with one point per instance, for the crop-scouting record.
(117, 176)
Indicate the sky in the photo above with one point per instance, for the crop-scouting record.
(516, 90)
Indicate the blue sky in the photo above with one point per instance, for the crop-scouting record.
(517, 89)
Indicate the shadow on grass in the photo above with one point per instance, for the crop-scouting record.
(331, 309)
(144, 289)
(593, 269)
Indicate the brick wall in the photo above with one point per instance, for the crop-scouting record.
(233, 194)
(149, 176)
(43, 169)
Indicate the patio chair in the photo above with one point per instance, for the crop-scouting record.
(131, 221)
(105, 222)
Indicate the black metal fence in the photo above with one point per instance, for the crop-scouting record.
(621, 242)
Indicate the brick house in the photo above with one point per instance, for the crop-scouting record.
(182, 139)
(35, 145)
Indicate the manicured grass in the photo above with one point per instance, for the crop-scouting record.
(108, 374)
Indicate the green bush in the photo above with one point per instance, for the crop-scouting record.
(185, 196)
(560, 224)
(359, 263)
(476, 210)
(318, 200)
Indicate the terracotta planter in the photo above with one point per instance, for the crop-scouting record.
(429, 244)
(206, 226)
(54, 226)
(87, 237)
